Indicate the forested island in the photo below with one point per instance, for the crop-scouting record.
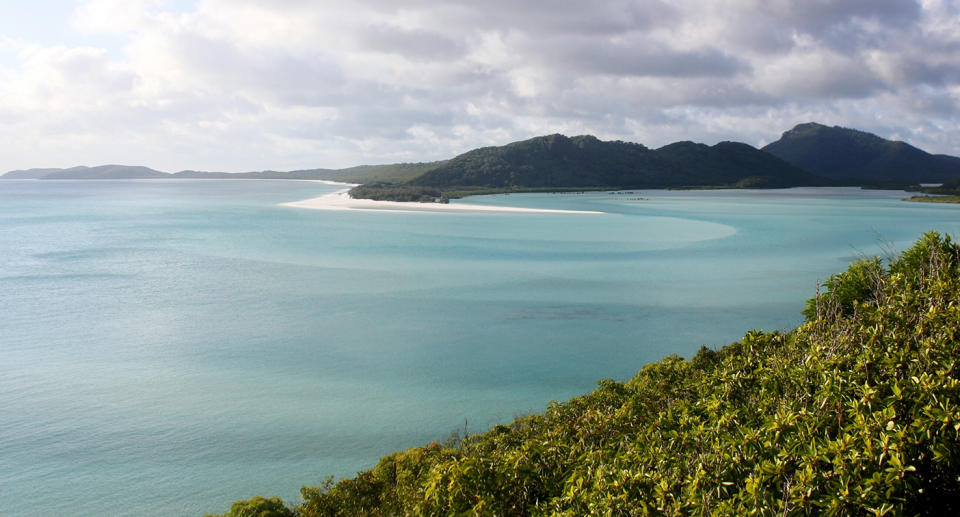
(557, 163)
(585, 162)
(809, 154)
(856, 412)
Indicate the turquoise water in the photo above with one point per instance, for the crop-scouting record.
(168, 347)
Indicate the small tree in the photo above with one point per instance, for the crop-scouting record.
(258, 507)
(860, 283)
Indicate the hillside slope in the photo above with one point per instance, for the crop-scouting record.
(856, 156)
(585, 161)
(857, 412)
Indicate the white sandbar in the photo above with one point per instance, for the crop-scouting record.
(340, 200)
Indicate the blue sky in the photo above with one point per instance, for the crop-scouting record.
(42, 22)
(284, 84)
(47, 23)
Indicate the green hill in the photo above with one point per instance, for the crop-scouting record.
(587, 162)
(858, 157)
(856, 412)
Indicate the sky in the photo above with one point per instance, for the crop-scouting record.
(241, 85)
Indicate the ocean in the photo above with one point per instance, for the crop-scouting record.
(170, 346)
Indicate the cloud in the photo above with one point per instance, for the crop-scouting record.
(415, 44)
(841, 26)
(284, 84)
(630, 57)
(111, 16)
(818, 74)
(534, 17)
(64, 80)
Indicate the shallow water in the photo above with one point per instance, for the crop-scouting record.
(168, 347)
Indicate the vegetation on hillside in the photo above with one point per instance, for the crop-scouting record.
(585, 161)
(858, 157)
(856, 412)
(557, 162)
(390, 192)
(951, 187)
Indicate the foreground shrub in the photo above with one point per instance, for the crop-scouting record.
(258, 507)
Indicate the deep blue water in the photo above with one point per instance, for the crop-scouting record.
(168, 347)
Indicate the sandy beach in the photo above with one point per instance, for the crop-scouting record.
(341, 200)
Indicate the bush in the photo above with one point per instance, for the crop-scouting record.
(258, 507)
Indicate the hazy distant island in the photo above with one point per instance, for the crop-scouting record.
(810, 154)
(856, 412)
(106, 172)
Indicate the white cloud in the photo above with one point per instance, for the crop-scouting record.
(817, 74)
(284, 84)
(112, 16)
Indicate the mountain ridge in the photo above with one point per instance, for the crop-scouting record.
(856, 156)
(584, 161)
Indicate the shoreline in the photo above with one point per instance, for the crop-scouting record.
(934, 198)
(341, 200)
